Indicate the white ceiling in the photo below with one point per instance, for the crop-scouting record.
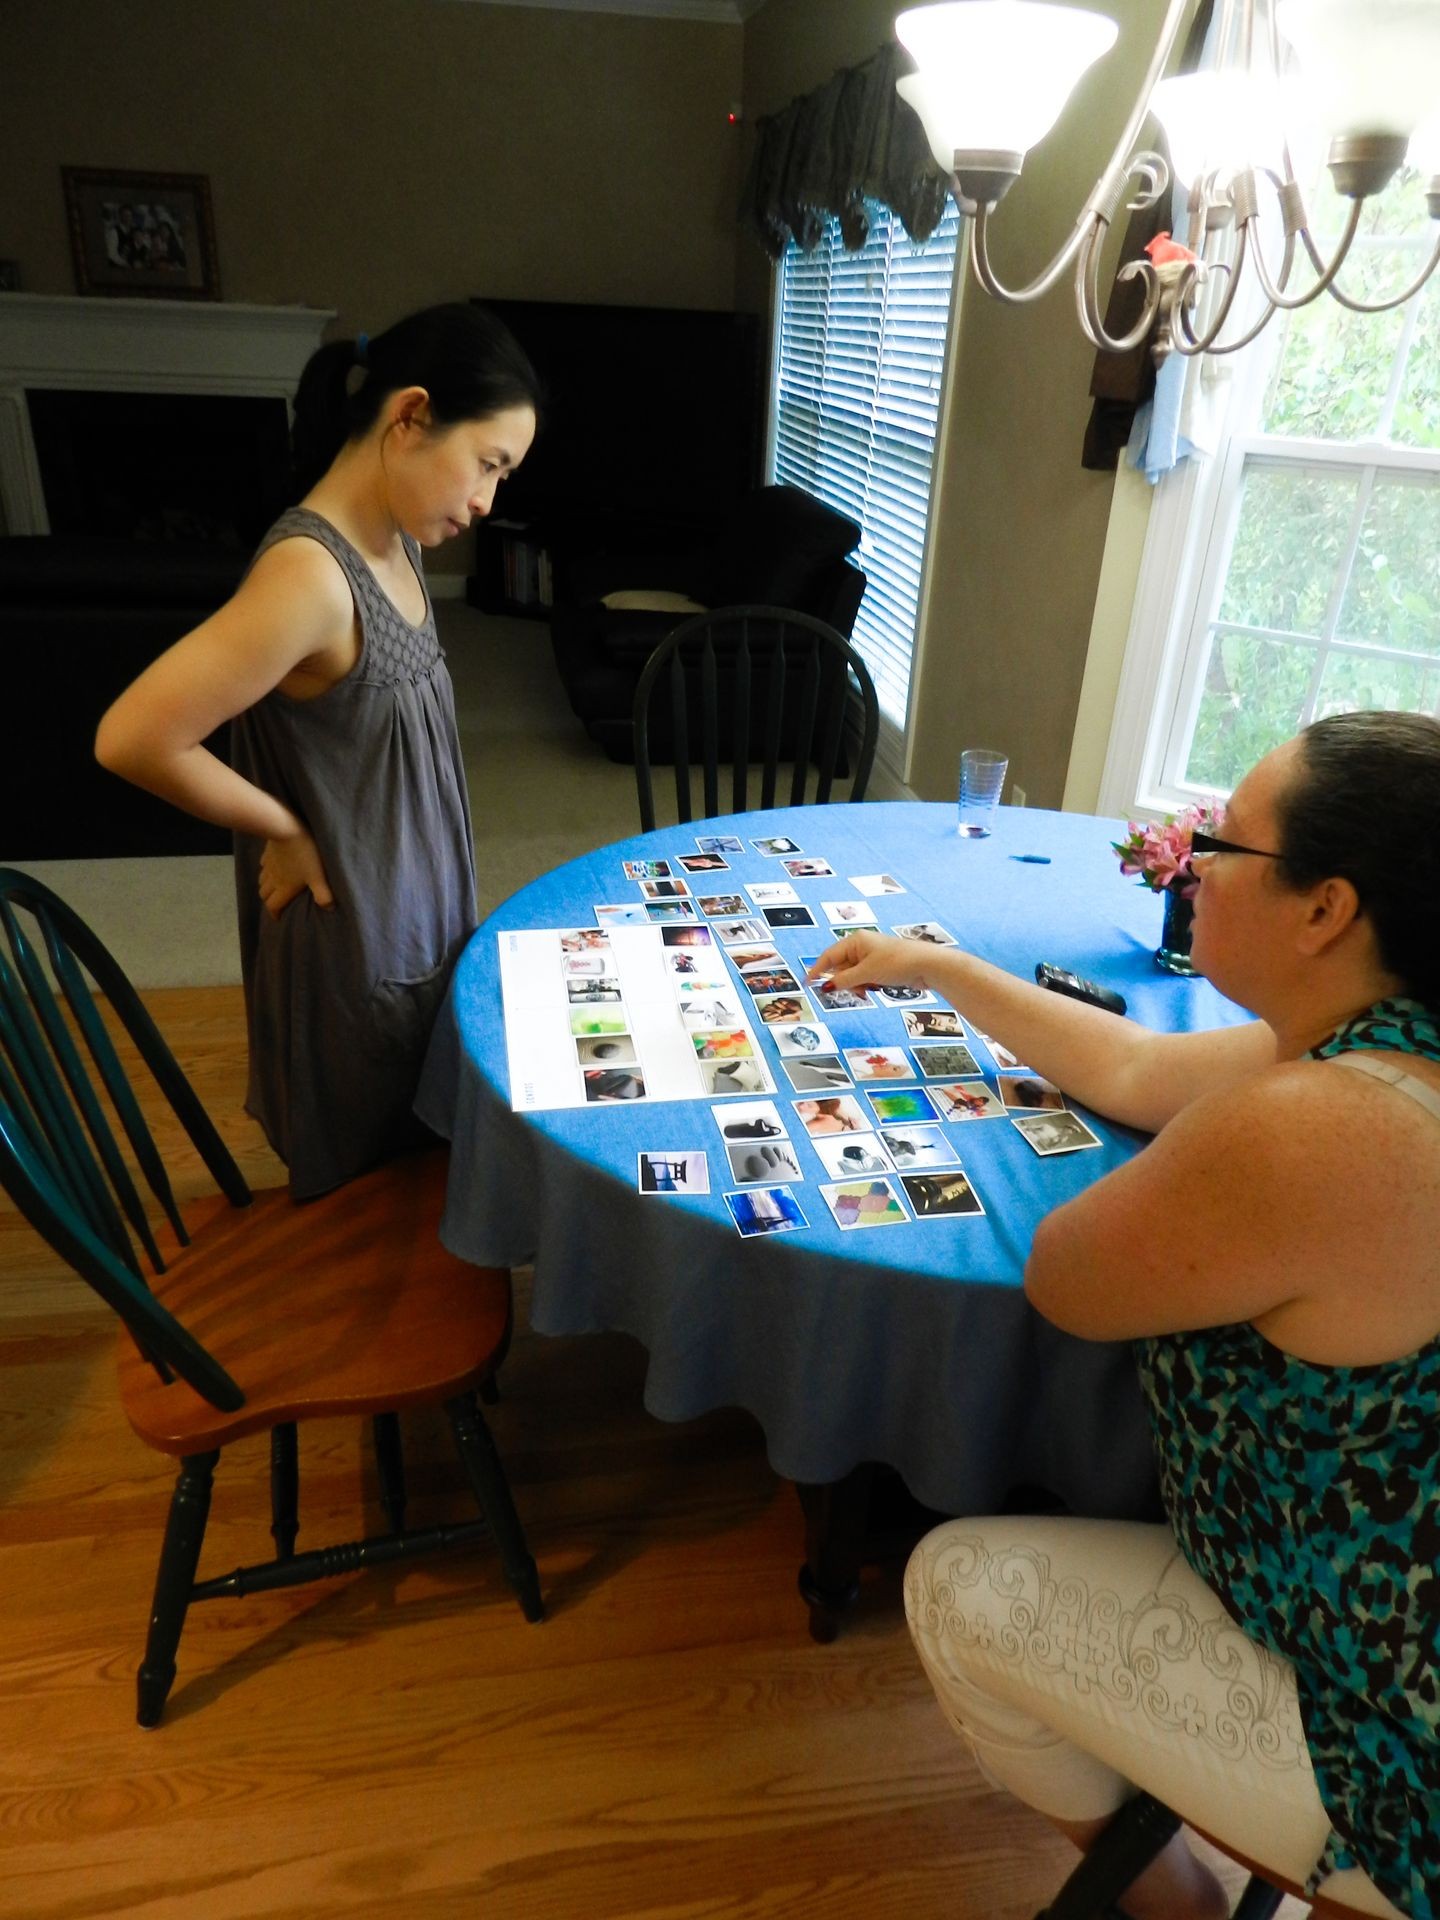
(717, 12)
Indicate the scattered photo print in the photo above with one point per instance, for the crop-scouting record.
(735, 933)
(682, 1172)
(904, 996)
(686, 964)
(721, 1043)
(762, 1210)
(751, 1120)
(774, 844)
(606, 1050)
(746, 958)
(930, 931)
(1004, 1059)
(919, 1146)
(599, 1020)
(773, 893)
(624, 913)
(872, 885)
(647, 869)
(604, 1084)
(715, 905)
(597, 990)
(771, 980)
(782, 1009)
(879, 1063)
(808, 869)
(839, 1114)
(802, 1037)
(892, 1108)
(686, 937)
(940, 1196)
(666, 912)
(865, 1203)
(820, 1075)
(709, 1010)
(1027, 1092)
(839, 999)
(734, 1076)
(703, 863)
(754, 1162)
(585, 939)
(965, 1100)
(932, 1023)
(946, 1060)
(788, 917)
(845, 1159)
(1056, 1132)
(719, 843)
(842, 914)
(664, 889)
(586, 966)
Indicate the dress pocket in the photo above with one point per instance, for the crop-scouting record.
(402, 1012)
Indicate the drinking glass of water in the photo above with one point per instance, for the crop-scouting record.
(982, 775)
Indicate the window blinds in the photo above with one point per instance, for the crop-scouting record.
(857, 400)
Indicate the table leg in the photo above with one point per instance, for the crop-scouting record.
(836, 1518)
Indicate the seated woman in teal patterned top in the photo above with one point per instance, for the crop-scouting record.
(1273, 1252)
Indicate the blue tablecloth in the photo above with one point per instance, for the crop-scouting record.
(910, 1345)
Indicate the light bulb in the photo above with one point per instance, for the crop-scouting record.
(1368, 69)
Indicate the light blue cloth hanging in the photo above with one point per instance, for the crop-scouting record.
(1156, 441)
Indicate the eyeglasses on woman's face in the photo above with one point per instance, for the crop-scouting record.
(1202, 845)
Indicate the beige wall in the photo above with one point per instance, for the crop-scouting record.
(1018, 529)
(377, 155)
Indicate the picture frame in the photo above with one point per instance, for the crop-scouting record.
(145, 235)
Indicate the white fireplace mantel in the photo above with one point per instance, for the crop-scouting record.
(144, 346)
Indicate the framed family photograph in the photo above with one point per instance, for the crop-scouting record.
(144, 234)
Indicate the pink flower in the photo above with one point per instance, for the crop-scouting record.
(1159, 852)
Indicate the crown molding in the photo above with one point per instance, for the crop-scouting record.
(720, 13)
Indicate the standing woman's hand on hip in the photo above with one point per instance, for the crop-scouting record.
(287, 868)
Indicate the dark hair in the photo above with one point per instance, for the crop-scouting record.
(469, 363)
(1365, 807)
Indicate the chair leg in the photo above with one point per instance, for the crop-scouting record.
(1140, 1831)
(390, 1465)
(1259, 1901)
(179, 1557)
(492, 1491)
(284, 1489)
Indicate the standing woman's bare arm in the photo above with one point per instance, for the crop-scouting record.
(292, 620)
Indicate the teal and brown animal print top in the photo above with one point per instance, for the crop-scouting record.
(1308, 1498)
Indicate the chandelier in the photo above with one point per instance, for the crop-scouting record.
(993, 76)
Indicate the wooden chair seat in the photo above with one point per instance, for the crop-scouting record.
(385, 1317)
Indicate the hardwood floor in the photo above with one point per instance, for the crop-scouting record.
(669, 1744)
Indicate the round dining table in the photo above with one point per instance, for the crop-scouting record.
(912, 1345)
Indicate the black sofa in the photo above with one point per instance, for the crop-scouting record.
(81, 617)
(779, 547)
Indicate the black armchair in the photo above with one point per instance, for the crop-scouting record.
(778, 548)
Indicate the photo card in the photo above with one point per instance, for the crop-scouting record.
(842, 1113)
(735, 1076)
(879, 1063)
(929, 931)
(681, 1170)
(1056, 1132)
(723, 1043)
(647, 869)
(702, 862)
(622, 913)
(788, 917)
(932, 1023)
(738, 932)
(846, 1159)
(1028, 1093)
(751, 1120)
(598, 1020)
(772, 845)
(770, 980)
(946, 1060)
(696, 936)
(709, 1009)
(760, 1210)
(822, 1074)
(782, 1009)
(607, 1050)
(749, 958)
(664, 889)
(1004, 1059)
(607, 1084)
(808, 868)
(838, 999)
(801, 1036)
(581, 940)
(716, 906)
(762, 1162)
(965, 1099)
(865, 1203)
(719, 843)
(941, 1196)
(773, 893)
(897, 1108)
(872, 885)
(665, 912)
(903, 996)
(844, 914)
(919, 1147)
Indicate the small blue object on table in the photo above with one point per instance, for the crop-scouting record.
(912, 1345)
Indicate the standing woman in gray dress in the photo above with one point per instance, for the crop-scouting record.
(346, 792)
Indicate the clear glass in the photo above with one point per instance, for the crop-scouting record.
(982, 775)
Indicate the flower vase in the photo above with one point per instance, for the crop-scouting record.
(1173, 953)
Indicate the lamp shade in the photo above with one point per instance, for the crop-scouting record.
(1371, 68)
(1219, 122)
(995, 74)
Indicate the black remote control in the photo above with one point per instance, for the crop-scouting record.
(1074, 988)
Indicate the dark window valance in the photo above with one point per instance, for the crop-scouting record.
(827, 153)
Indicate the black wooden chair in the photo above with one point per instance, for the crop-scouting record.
(263, 1312)
(758, 685)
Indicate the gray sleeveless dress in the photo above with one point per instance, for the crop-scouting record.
(340, 1003)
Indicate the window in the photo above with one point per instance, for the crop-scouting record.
(860, 365)
(1306, 570)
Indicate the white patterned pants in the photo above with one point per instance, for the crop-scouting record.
(1084, 1661)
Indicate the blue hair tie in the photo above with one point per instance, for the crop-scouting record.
(362, 349)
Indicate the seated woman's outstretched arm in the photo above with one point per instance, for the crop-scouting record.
(1115, 1067)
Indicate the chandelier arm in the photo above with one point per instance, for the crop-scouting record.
(1289, 302)
(1087, 300)
(1383, 306)
(1021, 296)
(1188, 346)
